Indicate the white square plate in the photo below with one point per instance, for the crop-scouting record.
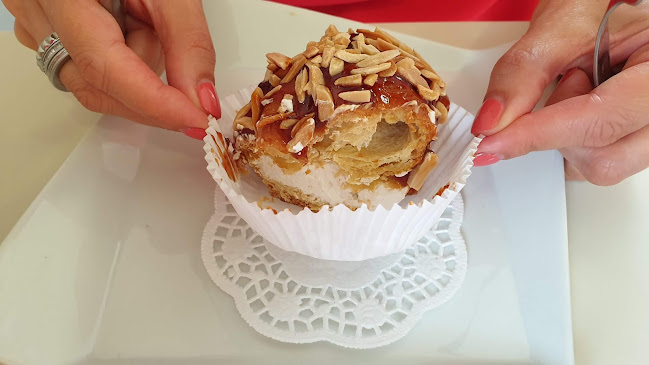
(105, 266)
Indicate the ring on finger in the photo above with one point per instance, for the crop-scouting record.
(50, 58)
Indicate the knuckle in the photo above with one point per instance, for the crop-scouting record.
(94, 67)
(603, 132)
(200, 44)
(89, 99)
(519, 55)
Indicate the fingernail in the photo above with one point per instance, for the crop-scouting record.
(196, 133)
(567, 75)
(485, 159)
(209, 99)
(487, 117)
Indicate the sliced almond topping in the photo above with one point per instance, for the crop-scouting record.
(268, 74)
(350, 57)
(384, 45)
(419, 174)
(438, 89)
(360, 39)
(279, 59)
(390, 71)
(272, 91)
(387, 36)
(372, 69)
(412, 76)
(300, 84)
(369, 49)
(336, 66)
(372, 42)
(272, 67)
(331, 31)
(255, 104)
(371, 79)
(272, 119)
(444, 112)
(317, 60)
(296, 67)
(406, 48)
(354, 51)
(288, 123)
(274, 80)
(325, 102)
(342, 39)
(327, 55)
(311, 50)
(369, 35)
(300, 123)
(315, 74)
(423, 61)
(430, 75)
(244, 123)
(303, 137)
(243, 111)
(360, 96)
(427, 94)
(379, 58)
(352, 80)
(408, 63)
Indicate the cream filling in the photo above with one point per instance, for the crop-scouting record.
(327, 184)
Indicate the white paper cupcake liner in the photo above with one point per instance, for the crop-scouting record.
(340, 233)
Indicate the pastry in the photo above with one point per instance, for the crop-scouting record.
(348, 121)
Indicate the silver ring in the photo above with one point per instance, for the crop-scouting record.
(50, 58)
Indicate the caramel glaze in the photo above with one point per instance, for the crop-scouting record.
(386, 93)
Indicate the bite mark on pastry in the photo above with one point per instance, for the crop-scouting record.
(347, 121)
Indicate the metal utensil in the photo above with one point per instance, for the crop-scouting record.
(602, 58)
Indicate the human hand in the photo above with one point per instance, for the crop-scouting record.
(113, 74)
(595, 129)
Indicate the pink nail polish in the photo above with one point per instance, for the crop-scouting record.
(196, 133)
(485, 159)
(487, 117)
(209, 99)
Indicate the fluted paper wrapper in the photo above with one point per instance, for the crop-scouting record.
(339, 233)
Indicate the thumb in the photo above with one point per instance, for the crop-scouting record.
(188, 49)
(519, 78)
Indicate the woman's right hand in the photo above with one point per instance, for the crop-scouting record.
(113, 74)
(595, 130)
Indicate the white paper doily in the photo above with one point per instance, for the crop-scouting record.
(298, 299)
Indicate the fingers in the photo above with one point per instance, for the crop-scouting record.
(638, 57)
(574, 83)
(106, 63)
(560, 33)
(611, 164)
(93, 99)
(600, 118)
(143, 40)
(188, 48)
(23, 36)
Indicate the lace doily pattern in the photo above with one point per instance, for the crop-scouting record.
(298, 299)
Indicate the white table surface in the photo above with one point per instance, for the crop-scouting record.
(608, 227)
